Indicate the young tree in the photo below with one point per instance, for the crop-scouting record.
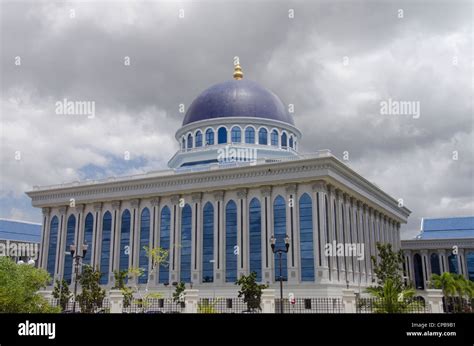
(178, 294)
(19, 285)
(394, 299)
(389, 266)
(61, 291)
(120, 277)
(92, 294)
(251, 290)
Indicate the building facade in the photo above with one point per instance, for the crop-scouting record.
(236, 181)
(443, 245)
(20, 240)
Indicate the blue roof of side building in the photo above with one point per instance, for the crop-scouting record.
(447, 228)
(16, 230)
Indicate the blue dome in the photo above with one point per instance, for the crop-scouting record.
(237, 98)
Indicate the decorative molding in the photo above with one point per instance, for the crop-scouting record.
(242, 193)
(196, 197)
(116, 205)
(319, 186)
(175, 199)
(46, 211)
(135, 203)
(291, 188)
(97, 206)
(155, 202)
(62, 210)
(219, 195)
(79, 208)
(266, 191)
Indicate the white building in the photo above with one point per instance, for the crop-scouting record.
(236, 180)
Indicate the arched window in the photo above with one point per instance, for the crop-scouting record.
(284, 141)
(263, 136)
(419, 284)
(279, 227)
(250, 135)
(275, 138)
(208, 243)
(70, 231)
(434, 259)
(236, 135)
(294, 145)
(222, 135)
(453, 264)
(144, 242)
(165, 221)
(53, 242)
(470, 265)
(198, 139)
(230, 242)
(125, 249)
(183, 143)
(306, 238)
(185, 266)
(88, 229)
(105, 248)
(326, 208)
(291, 142)
(336, 233)
(190, 141)
(255, 235)
(209, 137)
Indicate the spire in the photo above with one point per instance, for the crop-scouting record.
(238, 74)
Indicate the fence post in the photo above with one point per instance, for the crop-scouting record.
(349, 301)
(191, 299)
(116, 301)
(435, 301)
(268, 301)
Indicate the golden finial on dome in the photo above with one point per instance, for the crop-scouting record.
(238, 74)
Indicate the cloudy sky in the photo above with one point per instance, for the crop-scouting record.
(336, 61)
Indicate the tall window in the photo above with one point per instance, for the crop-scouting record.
(434, 259)
(198, 139)
(470, 265)
(250, 135)
(190, 141)
(291, 141)
(453, 264)
(124, 241)
(186, 225)
(164, 242)
(255, 235)
(279, 227)
(53, 242)
(222, 135)
(263, 136)
(208, 243)
(231, 242)
(144, 242)
(88, 229)
(236, 135)
(183, 143)
(284, 140)
(275, 138)
(209, 137)
(71, 227)
(418, 272)
(306, 238)
(105, 247)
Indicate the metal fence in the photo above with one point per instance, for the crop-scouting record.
(458, 305)
(380, 305)
(225, 305)
(155, 306)
(69, 308)
(310, 306)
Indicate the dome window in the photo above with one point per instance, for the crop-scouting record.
(209, 137)
(263, 136)
(291, 142)
(236, 134)
(198, 139)
(275, 138)
(250, 135)
(183, 143)
(284, 140)
(190, 141)
(222, 135)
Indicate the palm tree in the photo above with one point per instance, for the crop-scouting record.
(392, 299)
(446, 283)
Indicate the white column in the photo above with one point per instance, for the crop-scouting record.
(267, 231)
(369, 243)
(340, 236)
(43, 251)
(347, 236)
(355, 240)
(219, 241)
(196, 246)
(96, 237)
(292, 231)
(362, 240)
(319, 193)
(242, 233)
(154, 241)
(175, 232)
(332, 234)
(134, 233)
(115, 239)
(61, 247)
(424, 262)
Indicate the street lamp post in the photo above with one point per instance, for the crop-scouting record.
(77, 259)
(280, 253)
